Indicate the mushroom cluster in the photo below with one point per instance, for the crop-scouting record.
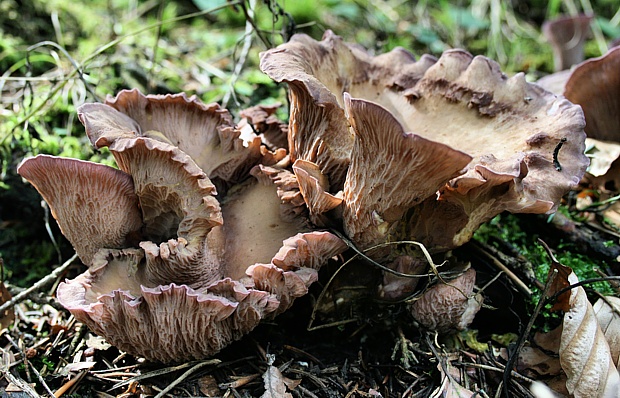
(426, 150)
(595, 85)
(207, 227)
(389, 148)
(178, 268)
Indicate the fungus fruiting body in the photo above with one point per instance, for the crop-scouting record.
(388, 148)
(567, 36)
(409, 144)
(595, 85)
(178, 268)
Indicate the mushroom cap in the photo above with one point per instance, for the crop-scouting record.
(595, 85)
(524, 145)
(171, 322)
(263, 120)
(448, 307)
(164, 323)
(318, 73)
(95, 205)
(183, 274)
(378, 193)
(178, 208)
(567, 36)
(204, 132)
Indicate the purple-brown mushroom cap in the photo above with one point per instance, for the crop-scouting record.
(595, 85)
(186, 272)
(95, 205)
(567, 36)
(205, 132)
(516, 147)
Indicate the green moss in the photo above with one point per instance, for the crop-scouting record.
(508, 228)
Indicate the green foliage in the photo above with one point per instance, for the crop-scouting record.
(508, 228)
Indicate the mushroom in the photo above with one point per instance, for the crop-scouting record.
(413, 146)
(204, 132)
(388, 148)
(448, 306)
(95, 204)
(595, 86)
(567, 36)
(194, 270)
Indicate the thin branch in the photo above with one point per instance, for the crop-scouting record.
(184, 376)
(49, 278)
(521, 340)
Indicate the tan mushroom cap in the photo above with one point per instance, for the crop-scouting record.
(168, 323)
(448, 307)
(178, 209)
(164, 323)
(313, 185)
(595, 85)
(567, 36)
(318, 73)
(264, 121)
(205, 132)
(94, 205)
(391, 171)
(525, 145)
(292, 201)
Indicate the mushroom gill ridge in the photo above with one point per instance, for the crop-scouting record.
(200, 267)
(390, 149)
(460, 105)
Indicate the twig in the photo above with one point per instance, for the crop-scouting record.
(515, 374)
(25, 387)
(65, 387)
(41, 380)
(304, 353)
(520, 284)
(521, 340)
(184, 376)
(51, 277)
(159, 372)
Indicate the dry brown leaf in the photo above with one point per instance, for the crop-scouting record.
(533, 362)
(274, 384)
(450, 384)
(602, 154)
(208, 386)
(584, 353)
(609, 321)
(562, 303)
(549, 341)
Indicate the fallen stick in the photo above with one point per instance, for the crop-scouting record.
(39, 284)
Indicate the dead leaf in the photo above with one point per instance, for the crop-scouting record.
(274, 384)
(549, 341)
(559, 283)
(97, 342)
(208, 386)
(584, 353)
(602, 154)
(609, 321)
(533, 362)
(450, 382)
